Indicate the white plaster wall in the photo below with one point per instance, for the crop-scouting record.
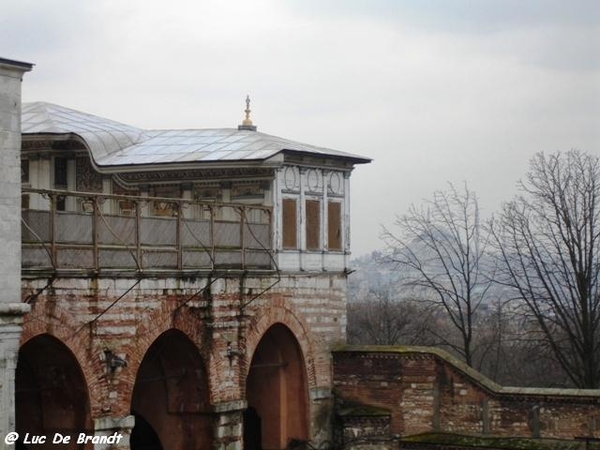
(10, 183)
(303, 183)
(11, 308)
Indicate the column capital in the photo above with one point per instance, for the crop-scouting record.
(114, 423)
(118, 428)
(235, 405)
(12, 313)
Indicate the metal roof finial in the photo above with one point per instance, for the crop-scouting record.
(247, 122)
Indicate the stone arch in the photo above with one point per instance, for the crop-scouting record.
(276, 392)
(168, 316)
(272, 314)
(51, 393)
(171, 396)
(77, 339)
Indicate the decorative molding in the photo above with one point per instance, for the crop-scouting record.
(250, 190)
(45, 144)
(313, 180)
(313, 193)
(291, 178)
(194, 174)
(202, 193)
(118, 189)
(335, 184)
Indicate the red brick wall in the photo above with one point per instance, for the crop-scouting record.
(428, 390)
(370, 379)
(125, 316)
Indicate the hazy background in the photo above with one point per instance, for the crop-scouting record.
(432, 90)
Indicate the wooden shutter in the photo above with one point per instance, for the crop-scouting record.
(334, 226)
(313, 230)
(289, 232)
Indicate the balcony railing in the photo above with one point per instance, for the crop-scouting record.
(64, 230)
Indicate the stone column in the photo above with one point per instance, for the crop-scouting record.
(11, 308)
(346, 220)
(144, 205)
(321, 415)
(107, 206)
(229, 429)
(301, 219)
(71, 201)
(187, 193)
(113, 432)
(11, 321)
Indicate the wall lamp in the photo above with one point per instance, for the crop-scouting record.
(113, 361)
(231, 352)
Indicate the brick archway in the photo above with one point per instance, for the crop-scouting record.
(276, 392)
(167, 317)
(77, 339)
(51, 392)
(272, 314)
(171, 398)
(280, 373)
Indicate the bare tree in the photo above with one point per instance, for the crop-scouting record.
(441, 251)
(548, 241)
(510, 350)
(381, 318)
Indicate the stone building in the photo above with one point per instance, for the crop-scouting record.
(11, 308)
(186, 286)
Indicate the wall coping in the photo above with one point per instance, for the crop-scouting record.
(9, 67)
(437, 440)
(469, 372)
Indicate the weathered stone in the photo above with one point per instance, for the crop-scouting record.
(426, 389)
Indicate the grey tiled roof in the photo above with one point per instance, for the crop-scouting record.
(102, 136)
(115, 144)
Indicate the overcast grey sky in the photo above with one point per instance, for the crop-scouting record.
(432, 90)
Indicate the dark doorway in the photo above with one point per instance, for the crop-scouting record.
(276, 388)
(143, 436)
(51, 394)
(171, 396)
(252, 430)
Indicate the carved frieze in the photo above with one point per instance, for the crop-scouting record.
(250, 190)
(314, 180)
(206, 193)
(121, 190)
(335, 183)
(291, 179)
(88, 180)
(36, 144)
(195, 174)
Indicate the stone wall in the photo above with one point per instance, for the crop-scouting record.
(224, 315)
(427, 390)
(11, 73)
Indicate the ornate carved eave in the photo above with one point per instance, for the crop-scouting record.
(324, 162)
(165, 175)
(34, 143)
